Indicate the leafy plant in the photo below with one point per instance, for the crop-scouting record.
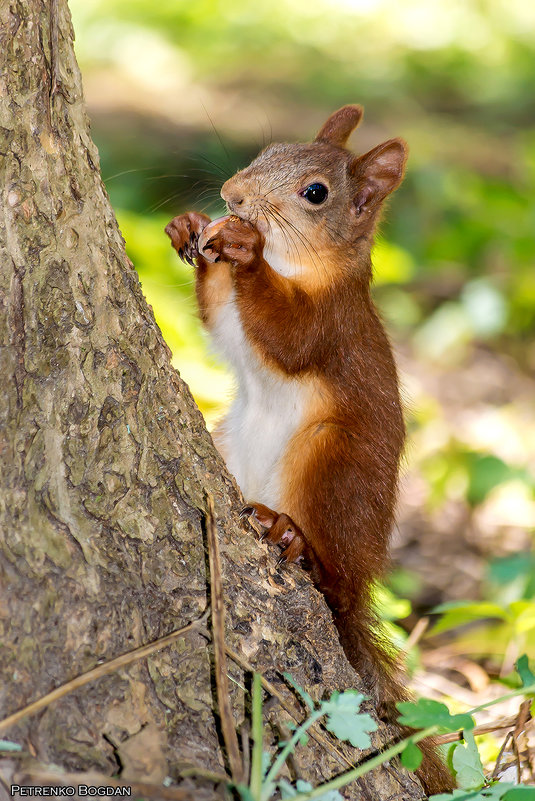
(495, 792)
(343, 717)
(467, 763)
(426, 713)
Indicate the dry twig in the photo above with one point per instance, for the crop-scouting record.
(519, 734)
(513, 744)
(485, 728)
(228, 726)
(99, 671)
(417, 633)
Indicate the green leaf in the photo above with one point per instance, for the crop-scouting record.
(411, 757)
(467, 764)
(520, 794)
(495, 792)
(526, 676)
(486, 472)
(481, 609)
(330, 795)
(506, 569)
(7, 745)
(287, 791)
(457, 613)
(426, 712)
(345, 721)
(524, 616)
(303, 740)
(309, 701)
(459, 795)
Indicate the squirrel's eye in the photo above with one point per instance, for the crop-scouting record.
(315, 193)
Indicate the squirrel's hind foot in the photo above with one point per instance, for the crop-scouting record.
(280, 530)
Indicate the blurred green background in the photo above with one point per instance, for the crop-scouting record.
(182, 94)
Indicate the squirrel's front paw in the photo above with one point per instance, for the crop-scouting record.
(184, 232)
(238, 242)
(282, 531)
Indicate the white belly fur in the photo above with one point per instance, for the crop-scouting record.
(265, 414)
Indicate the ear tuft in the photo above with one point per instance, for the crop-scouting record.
(378, 172)
(340, 125)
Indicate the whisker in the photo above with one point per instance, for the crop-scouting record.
(289, 240)
(167, 175)
(154, 282)
(310, 249)
(224, 173)
(207, 207)
(209, 191)
(164, 202)
(125, 172)
(291, 245)
(217, 134)
(185, 192)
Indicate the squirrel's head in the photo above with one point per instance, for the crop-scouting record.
(315, 202)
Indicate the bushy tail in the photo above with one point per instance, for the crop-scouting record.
(378, 666)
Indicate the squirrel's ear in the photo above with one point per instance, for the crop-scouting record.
(377, 173)
(338, 127)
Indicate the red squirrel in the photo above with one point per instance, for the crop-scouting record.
(315, 433)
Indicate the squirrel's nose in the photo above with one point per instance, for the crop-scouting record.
(232, 197)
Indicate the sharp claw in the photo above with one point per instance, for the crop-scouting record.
(247, 511)
(281, 560)
(189, 260)
(180, 254)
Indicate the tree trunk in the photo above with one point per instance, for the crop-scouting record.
(105, 466)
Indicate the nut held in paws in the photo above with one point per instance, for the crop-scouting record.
(209, 232)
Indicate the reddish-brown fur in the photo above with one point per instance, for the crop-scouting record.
(340, 468)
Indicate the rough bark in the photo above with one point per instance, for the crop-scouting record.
(105, 465)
